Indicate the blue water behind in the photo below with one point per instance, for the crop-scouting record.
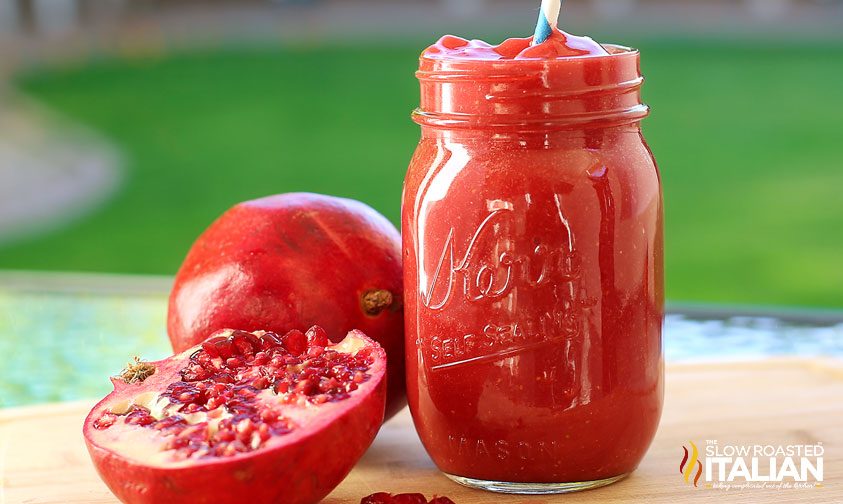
(61, 347)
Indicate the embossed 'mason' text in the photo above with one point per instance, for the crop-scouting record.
(502, 449)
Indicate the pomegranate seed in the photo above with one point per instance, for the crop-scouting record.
(281, 387)
(245, 343)
(195, 373)
(215, 402)
(319, 399)
(222, 346)
(223, 378)
(211, 348)
(260, 359)
(217, 388)
(172, 423)
(245, 426)
(237, 407)
(377, 498)
(139, 416)
(105, 421)
(317, 336)
(202, 358)
(359, 377)
(261, 383)
(306, 387)
(315, 351)
(186, 396)
(270, 340)
(364, 356)
(234, 362)
(176, 442)
(409, 498)
(328, 384)
(339, 371)
(230, 449)
(295, 342)
(190, 408)
(244, 391)
(280, 427)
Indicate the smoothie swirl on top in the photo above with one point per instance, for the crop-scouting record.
(558, 45)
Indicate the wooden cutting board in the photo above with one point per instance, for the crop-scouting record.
(43, 458)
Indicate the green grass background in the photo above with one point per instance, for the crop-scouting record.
(747, 135)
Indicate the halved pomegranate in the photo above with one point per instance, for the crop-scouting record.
(244, 417)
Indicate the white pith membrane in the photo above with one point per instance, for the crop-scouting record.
(165, 421)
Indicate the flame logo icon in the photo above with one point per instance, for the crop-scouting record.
(690, 462)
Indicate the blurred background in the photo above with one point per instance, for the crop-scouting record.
(126, 127)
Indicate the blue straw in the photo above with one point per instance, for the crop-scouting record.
(548, 18)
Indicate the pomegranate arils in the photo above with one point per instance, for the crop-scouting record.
(404, 498)
(105, 421)
(295, 342)
(328, 384)
(409, 498)
(217, 347)
(306, 387)
(245, 342)
(194, 372)
(270, 340)
(377, 498)
(316, 336)
(261, 382)
(222, 380)
(139, 415)
(260, 358)
(281, 387)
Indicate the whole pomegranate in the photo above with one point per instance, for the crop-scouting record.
(243, 417)
(294, 260)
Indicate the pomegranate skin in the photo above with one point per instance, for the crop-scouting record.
(295, 260)
(298, 468)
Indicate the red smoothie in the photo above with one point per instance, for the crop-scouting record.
(532, 229)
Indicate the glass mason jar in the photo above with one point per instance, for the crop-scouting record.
(533, 263)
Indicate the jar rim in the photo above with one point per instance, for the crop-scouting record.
(613, 50)
(478, 69)
(560, 93)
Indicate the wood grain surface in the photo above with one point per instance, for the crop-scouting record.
(43, 458)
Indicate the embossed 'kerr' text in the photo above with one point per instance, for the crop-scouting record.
(478, 278)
